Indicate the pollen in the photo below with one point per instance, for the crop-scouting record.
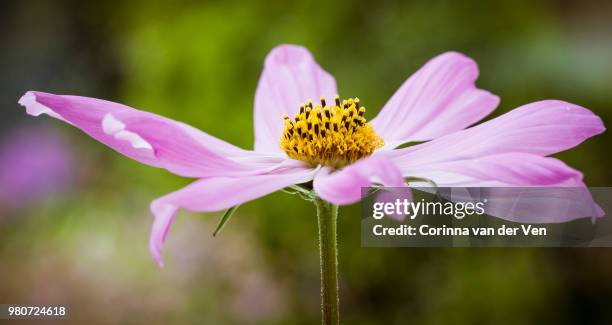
(332, 134)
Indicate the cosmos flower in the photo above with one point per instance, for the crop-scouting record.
(330, 143)
(34, 163)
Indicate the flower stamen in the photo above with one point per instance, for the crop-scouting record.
(333, 135)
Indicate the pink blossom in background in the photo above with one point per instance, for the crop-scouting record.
(35, 163)
(436, 106)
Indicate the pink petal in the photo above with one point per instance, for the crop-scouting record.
(540, 128)
(438, 99)
(514, 186)
(392, 194)
(148, 138)
(214, 194)
(290, 76)
(509, 169)
(531, 204)
(344, 186)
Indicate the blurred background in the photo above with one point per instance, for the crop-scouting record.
(74, 217)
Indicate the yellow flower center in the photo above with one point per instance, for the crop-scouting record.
(334, 135)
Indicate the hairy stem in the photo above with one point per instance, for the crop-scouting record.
(328, 251)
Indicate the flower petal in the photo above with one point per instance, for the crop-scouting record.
(540, 128)
(148, 138)
(214, 194)
(438, 99)
(290, 76)
(509, 169)
(530, 204)
(344, 186)
(512, 184)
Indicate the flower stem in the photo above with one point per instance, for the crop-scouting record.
(328, 251)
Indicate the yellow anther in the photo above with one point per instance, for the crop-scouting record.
(333, 135)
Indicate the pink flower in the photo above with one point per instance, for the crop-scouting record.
(332, 145)
(34, 164)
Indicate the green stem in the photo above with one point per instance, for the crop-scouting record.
(328, 251)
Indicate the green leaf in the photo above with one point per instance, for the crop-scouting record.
(421, 179)
(224, 219)
(372, 190)
(305, 194)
